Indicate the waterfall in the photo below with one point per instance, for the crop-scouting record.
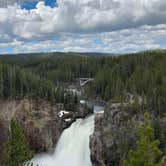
(72, 148)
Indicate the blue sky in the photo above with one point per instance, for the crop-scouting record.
(32, 5)
(114, 26)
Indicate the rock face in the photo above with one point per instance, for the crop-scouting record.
(41, 124)
(115, 133)
(39, 119)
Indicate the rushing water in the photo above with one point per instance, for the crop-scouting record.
(72, 148)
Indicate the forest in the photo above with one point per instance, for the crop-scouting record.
(46, 76)
(140, 74)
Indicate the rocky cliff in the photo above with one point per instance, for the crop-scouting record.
(40, 120)
(115, 134)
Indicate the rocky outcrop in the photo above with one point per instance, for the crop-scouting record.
(115, 133)
(40, 120)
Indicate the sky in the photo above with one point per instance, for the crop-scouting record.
(111, 26)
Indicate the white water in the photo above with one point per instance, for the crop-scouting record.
(72, 148)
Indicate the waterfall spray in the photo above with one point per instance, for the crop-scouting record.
(72, 148)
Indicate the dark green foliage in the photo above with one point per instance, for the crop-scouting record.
(17, 82)
(147, 152)
(142, 74)
(16, 150)
(71, 101)
(46, 76)
(159, 133)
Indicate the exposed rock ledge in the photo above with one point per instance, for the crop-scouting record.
(115, 132)
(39, 119)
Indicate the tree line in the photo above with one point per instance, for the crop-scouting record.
(143, 75)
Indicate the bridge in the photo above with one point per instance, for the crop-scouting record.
(84, 81)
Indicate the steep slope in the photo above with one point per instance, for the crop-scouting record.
(116, 133)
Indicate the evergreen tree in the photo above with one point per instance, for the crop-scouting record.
(16, 150)
(147, 152)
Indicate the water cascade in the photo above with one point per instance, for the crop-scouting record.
(72, 148)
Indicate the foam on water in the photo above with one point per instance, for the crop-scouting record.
(72, 148)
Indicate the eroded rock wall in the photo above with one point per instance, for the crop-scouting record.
(39, 119)
(115, 133)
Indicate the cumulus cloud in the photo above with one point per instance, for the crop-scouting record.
(112, 22)
(83, 16)
(136, 39)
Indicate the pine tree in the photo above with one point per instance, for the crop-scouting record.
(136, 105)
(16, 150)
(147, 152)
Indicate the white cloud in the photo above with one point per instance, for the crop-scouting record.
(118, 24)
(136, 39)
(83, 16)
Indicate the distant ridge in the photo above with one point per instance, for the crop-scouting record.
(27, 56)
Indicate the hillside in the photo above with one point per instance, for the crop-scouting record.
(32, 86)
